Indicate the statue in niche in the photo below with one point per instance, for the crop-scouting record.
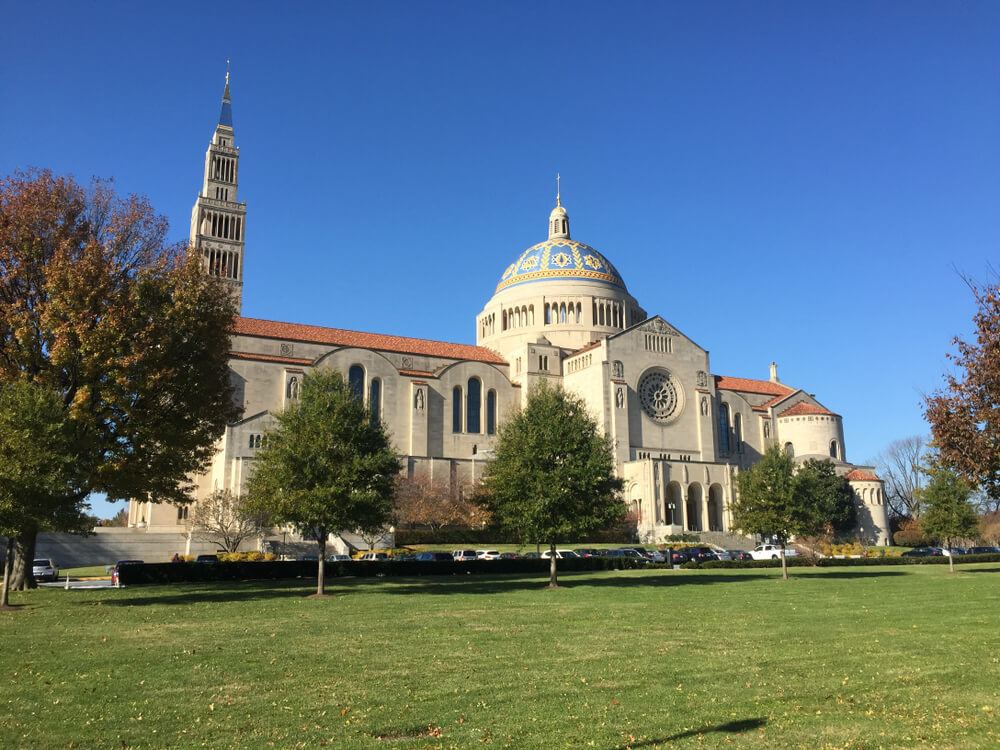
(418, 400)
(704, 406)
(620, 398)
(702, 379)
(617, 369)
(293, 388)
(767, 429)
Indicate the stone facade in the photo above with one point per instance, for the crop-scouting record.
(561, 312)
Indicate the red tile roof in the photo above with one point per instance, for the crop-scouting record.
(417, 373)
(862, 475)
(747, 385)
(770, 402)
(270, 358)
(379, 341)
(804, 408)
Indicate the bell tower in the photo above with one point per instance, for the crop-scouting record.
(218, 219)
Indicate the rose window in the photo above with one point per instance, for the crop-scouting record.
(658, 395)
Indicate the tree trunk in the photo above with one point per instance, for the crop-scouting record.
(951, 556)
(553, 581)
(321, 570)
(784, 563)
(8, 567)
(24, 557)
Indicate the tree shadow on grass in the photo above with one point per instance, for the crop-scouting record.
(978, 570)
(471, 584)
(730, 727)
(197, 593)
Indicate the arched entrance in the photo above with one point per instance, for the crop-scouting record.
(692, 511)
(715, 522)
(675, 497)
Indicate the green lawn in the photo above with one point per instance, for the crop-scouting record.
(835, 658)
(90, 571)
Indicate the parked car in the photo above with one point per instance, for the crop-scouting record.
(679, 555)
(561, 554)
(338, 558)
(463, 555)
(654, 555)
(44, 569)
(117, 565)
(589, 552)
(509, 556)
(739, 554)
(771, 552)
(702, 554)
(923, 552)
(487, 554)
(375, 556)
(531, 556)
(956, 551)
(211, 559)
(433, 557)
(629, 553)
(984, 550)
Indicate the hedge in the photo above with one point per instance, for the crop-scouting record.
(840, 562)
(285, 569)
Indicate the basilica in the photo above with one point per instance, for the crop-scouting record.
(560, 312)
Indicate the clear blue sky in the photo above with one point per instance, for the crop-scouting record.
(789, 181)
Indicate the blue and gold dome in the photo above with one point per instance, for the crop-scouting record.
(563, 259)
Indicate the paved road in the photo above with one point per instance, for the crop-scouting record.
(99, 584)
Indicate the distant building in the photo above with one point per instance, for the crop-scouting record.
(560, 312)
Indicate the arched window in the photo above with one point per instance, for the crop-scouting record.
(548, 314)
(491, 412)
(724, 428)
(456, 409)
(789, 450)
(503, 320)
(738, 431)
(251, 442)
(474, 405)
(834, 452)
(562, 313)
(577, 313)
(356, 381)
(375, 400)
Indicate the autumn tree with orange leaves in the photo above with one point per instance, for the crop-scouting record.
(125, 328)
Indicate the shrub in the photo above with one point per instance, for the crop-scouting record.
(911, 534)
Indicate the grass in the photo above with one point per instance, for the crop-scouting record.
(834, 658)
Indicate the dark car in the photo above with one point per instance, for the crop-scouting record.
(984, 550)
(117, 565)
(531, 555)
(434, 557)
(740, 554)
(702, 554)
(628, 553)
(211, 559)
(923, 552)
(509, 556)
(588, 552)
(678, 556)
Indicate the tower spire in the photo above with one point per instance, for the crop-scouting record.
(218, 217)
(226, 114)
(558, 203)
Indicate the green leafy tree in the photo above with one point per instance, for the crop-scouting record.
(948, 515)
(126, 329)
(823, 500)
(326, 467)
(39, 474)
(765, 500)
(552, 476)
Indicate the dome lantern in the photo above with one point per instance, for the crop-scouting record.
(558, 219)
